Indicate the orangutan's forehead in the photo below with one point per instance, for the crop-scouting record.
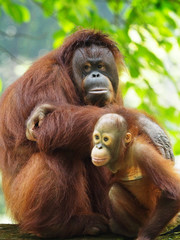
(111, 121)
(93, 52)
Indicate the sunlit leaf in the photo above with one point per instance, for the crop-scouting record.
(134, 71)
(1, 85)
(19, 13)
(115, 6)
(59, 37)
(178, 40)
(167, 45)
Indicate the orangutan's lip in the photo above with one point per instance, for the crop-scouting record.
(99, 161)
(98, 90)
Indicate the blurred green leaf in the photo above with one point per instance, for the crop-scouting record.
(178, 40)
(134, 71)
(19, 13)
(176, 147)
(167, 45)
(115, 6)
(1, 85)
(59, 37)
(150, 56)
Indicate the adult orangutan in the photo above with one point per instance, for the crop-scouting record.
(46, 121)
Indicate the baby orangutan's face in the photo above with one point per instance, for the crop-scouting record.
(109, 138)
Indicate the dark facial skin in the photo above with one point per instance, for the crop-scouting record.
(109, 138)
(95, 74)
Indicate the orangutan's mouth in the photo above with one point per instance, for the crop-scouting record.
(98, 91)
(99, 161)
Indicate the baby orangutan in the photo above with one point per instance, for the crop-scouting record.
(144, 190)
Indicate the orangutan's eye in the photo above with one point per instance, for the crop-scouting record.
(107, 140)
(96, 137)
(101, 67)
(87, 67)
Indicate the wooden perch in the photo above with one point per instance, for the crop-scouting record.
(12, 232)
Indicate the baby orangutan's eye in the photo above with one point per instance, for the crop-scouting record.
(96, 137)
(107, 140)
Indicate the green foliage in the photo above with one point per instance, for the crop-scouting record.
(1, 85)
(17, 12)
(146, 33)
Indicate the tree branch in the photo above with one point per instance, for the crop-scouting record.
(10, 54)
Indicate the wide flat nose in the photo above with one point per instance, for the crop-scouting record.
(95, 74)
(99, 146)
